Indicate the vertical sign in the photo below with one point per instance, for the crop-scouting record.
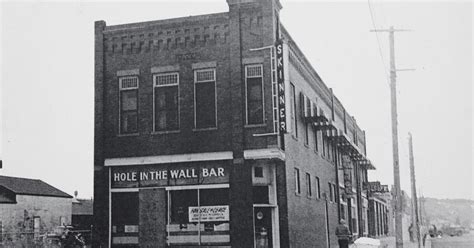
(347, 169)
(281, 87)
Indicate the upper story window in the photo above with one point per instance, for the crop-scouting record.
(318, 190)
(293, 108)
(304, 102)
(254, 94)
(331, 192)
(128, 115)
(297, 181)
(166, 101)
(205, 103)
(309, 190)
(355, 137)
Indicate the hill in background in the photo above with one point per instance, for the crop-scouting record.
(447, 211)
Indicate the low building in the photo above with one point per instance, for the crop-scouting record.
(82, 214)
(30, 208)
(379, 211)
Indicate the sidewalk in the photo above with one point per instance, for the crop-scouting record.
(389, 242)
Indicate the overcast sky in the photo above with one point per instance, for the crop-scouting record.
(47, 83)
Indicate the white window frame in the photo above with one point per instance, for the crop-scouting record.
(215, 96)
(120, 88)
(246, 96)
(155, 76)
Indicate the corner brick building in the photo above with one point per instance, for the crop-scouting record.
(192, 148)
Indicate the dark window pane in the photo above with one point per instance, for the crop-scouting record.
(297, 180)
(205, 105)
(166, 108)
(293, 108)
(214, 197)
(308, 185)
(306, 133)
(254, 101)
(258, 171)
(124, 212)
(315, 140)
(128, 111)
(180, 201)
(129, 100)
(129, 122)
(318, 191)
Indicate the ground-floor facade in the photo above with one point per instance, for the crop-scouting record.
(215, 201)
(379, 217)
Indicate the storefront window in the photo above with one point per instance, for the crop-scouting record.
(355, 226)
(198, 217)
(125, 219)
(180, 202)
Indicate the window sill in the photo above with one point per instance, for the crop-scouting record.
(128, 134)
(297, 194)
(306, 145)
(204, 129)
(294, 137)
(255, 125)
(165, 132)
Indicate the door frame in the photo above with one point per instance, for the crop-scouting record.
(275, 223)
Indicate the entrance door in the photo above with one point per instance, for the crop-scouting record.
(263, 227)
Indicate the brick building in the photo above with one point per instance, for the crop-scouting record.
(380, 212)
(29, 208)
(203, 138)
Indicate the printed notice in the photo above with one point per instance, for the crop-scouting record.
(209, 213)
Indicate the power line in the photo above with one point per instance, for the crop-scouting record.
(378, 43)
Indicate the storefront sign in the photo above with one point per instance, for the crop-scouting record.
(209, 213)
(347, 169)
(146, 176)
(376, 187)
(281, 86)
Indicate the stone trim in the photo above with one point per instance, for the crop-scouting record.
(202, 65)
(168, 68)
(131, 72)
(254, 60)
(173, 158)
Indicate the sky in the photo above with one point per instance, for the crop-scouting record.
(47, 82)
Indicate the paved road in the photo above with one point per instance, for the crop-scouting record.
(464, 241)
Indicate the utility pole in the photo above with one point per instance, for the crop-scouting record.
(396, 167)
(413, 191)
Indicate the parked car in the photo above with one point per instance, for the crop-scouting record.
(65, 236)
(452, 230)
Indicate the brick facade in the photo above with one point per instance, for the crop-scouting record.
(222, 41)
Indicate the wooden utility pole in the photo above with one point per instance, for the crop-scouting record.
(396, 167)
(413, 191)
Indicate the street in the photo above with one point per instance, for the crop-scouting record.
(464, 241)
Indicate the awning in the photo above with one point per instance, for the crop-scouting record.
(344, 143)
